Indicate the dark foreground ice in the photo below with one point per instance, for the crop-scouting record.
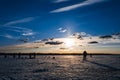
(63, 67)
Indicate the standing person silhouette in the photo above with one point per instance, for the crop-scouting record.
(84, 56)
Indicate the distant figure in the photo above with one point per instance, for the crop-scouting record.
(30, 56)
(34, 55)
(84, 56)
(14, 55)
(91, 55)
(5, 55)
(53, 57)
(19, 55)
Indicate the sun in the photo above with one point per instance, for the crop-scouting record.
(69, 42)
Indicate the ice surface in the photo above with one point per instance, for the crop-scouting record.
(61, 67)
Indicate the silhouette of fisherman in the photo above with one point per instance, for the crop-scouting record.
(84, 56)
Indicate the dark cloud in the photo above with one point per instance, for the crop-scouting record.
(53, 43)
(118, 34)
(78, 36)
(81, 35)
(106, 37)
(36, 47)
(63, 48)
(93, 42)
(112, 36)
(49, 39)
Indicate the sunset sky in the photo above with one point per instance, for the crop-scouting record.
(60, 26)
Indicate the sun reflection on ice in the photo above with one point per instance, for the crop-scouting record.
(67, 61)
(69, 57)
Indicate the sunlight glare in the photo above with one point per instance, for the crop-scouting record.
(69, 42)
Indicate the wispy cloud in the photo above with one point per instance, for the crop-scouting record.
(25, 31)
(59, 1)
(71, 7)
(14, 30)
(21, 32)
(62, 30)
(28, 33)
(7, 36)
(28, 19)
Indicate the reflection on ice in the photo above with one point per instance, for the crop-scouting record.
(69, 56)
(63, 67)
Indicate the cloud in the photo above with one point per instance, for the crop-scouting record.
(106, 37)
(24, 31)
(25, 40)
(28, 33)
(37, 41)
(58, 44)
(71, 7)
(54, 43)
(21, 30)
(45, 40)
(118, 34)
(15, 30)
(80, 35)
(49, 39)
(63, 48)
(28, 19)
(59, 1)
(62, 30)
(93, 42)
(7, 36)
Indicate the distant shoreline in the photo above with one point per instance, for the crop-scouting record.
(58, 53)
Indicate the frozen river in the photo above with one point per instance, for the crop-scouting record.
(62, 67)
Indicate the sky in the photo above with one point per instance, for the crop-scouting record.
(60, 26)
